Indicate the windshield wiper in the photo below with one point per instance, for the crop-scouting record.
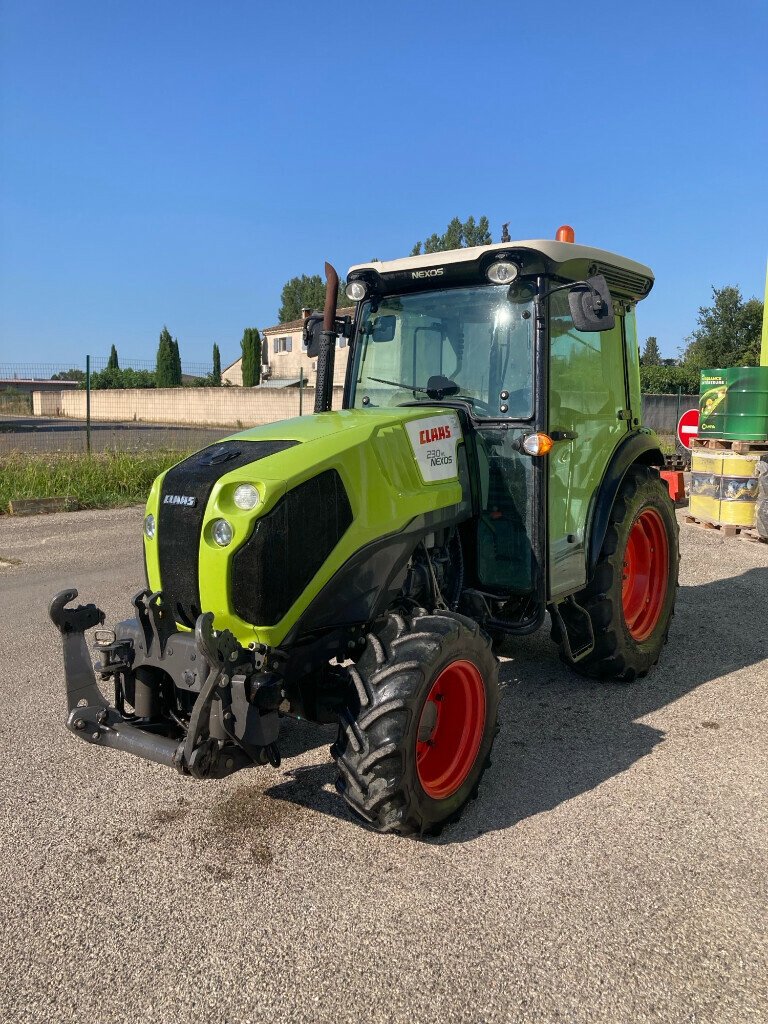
(437, 386)
(398, 384)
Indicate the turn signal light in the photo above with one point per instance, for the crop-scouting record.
(537, 444)
(565, 233)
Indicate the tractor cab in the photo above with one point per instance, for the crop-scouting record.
(533, 343)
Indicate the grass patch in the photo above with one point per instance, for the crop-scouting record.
(106, 480)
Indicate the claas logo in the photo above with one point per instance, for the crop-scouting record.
(434, 434)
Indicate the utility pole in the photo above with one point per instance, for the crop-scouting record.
(764, 344)
(88, 404)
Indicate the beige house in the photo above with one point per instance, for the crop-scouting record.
(284, 356)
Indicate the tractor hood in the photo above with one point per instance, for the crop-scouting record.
(327, 486)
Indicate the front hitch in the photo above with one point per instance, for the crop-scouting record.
(89, 714)
(226, 731)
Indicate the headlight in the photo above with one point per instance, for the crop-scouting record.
(246, 497)
(356, 291)
(221, 531)
(502, 272)
(149, 526)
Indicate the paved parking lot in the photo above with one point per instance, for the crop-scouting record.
(39, 435)
(614, 868)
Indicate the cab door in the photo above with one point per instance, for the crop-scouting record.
(588, 401)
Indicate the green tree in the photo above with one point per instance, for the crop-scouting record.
(166, 361)
(651, 355)
(477, 234)
(113, 378)
(305, 292)
(176, 364)
(112, 363)
(727, 332)
(668, 380)
(78, 375)
(216, 373)
(458, 235)
(251, 366)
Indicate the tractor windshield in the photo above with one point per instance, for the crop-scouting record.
(465, 343)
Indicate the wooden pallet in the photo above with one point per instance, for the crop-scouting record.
(728, 529)
(714, 444)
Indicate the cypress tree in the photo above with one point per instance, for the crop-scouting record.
(176, 364)
(251, 347)
(165, 360)
(216, 374)
(112, 363)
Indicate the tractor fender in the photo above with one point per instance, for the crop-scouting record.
(641, 446)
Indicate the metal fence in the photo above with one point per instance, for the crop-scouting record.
(48, 408)
(661, 412)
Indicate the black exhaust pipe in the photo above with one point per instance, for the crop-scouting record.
(327, 355)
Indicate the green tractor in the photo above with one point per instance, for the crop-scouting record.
(358, 567)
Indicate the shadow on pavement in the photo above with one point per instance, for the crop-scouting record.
(561, 735)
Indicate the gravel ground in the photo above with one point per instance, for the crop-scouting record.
(614, 868)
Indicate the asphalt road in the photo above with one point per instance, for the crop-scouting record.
(39, 435)
(614, 868)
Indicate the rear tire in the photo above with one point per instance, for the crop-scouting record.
(631, 596)
(416, 737)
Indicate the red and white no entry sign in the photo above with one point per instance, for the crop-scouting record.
(688, 427)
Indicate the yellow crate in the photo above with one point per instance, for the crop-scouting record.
(707, 462)
(739, 465)
(724, 488)
(705, 508)
(737, 513)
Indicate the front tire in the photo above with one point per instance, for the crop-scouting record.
(631, 596)
(416, 736)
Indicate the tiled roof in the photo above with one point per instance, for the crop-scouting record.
(295, 325)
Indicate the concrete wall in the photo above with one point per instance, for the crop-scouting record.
(229, 407)
(225, 407)
(661, 412)
(48, 403)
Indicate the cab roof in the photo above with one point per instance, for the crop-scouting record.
(567, 260)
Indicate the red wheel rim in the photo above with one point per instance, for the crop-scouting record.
(450, 729)
(645, 575)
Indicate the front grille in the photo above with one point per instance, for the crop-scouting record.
(287, 547)
(188, 487)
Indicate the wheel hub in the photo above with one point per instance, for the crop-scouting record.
(645, 575)
(450, 729)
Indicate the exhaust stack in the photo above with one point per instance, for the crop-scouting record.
(327, 354)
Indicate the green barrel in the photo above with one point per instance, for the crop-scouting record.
(733, 404)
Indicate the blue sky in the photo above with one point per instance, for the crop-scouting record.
(174, 163)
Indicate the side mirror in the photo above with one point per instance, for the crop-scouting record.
(591, 305)
(313, 328)
(384, 328)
